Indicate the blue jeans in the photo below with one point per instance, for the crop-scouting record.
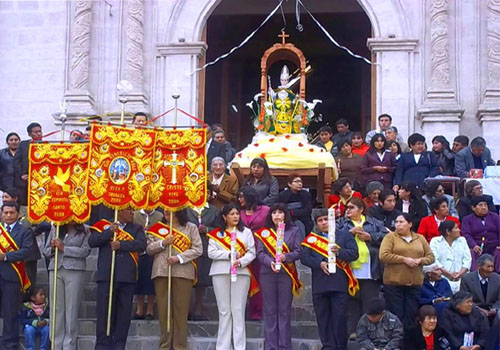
(30, 334)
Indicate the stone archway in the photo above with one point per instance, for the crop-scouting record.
(392, 46)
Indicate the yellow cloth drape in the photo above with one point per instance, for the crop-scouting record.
(364, 253)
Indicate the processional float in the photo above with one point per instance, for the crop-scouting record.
(122, 166)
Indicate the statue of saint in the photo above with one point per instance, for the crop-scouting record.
(284, 113)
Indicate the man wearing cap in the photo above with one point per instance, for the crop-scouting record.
(481, 230)
(330, 291)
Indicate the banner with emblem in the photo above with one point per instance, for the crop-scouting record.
(179, 169)
(120, 166)
(57, 182)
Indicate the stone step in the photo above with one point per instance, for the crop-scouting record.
(197, 343)
(87, 310)
(143, 328)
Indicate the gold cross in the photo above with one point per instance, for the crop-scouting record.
(283, 37)
(174, 164)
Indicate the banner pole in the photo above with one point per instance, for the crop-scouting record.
(169, 300)
(54, 296)
(111, 281)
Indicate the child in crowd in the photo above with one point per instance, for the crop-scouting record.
(35, 319)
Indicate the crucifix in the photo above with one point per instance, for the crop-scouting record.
(283, 37)
(174, 163)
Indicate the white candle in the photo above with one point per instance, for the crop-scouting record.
(332, 258)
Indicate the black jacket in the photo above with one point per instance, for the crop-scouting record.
(24, 240)
(21, 167)
(409, 171)
(455, 325)
(414, 339)
(6, 169)
(300, 206)
(446, 161)
(125, 268)
(417, 211)
(387, 217)
(336, 282)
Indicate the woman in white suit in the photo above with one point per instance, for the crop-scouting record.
(231, 296)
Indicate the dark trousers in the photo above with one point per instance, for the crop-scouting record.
(402, 301)
(120, 317)
(10, 294)
(31, 270)
(277, 310)
(255, 303)
(358, 304)
(330, 309)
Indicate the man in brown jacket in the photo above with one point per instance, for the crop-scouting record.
(224, 186)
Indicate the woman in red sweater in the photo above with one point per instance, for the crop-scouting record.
(440, 212)
(343, 192)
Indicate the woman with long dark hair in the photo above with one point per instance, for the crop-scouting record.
(378, 163)
(262, 181)
(73, 246)
(444, 155)
(7, 161)
(231, 296)
(253, 215)
(409, 202)
(278, 285)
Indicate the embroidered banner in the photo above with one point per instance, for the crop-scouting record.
(57, 183)
(179, 170)
(120, 166)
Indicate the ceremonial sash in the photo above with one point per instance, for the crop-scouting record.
(121, 235)
(7, 245)
(224, 239)
(319, 244)
(269, 238)
(181, 241)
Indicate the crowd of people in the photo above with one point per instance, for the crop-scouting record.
(416, 268)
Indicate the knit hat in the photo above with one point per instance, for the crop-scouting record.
(372, 186)
(319, 212)
(460, 296)
(478, 199)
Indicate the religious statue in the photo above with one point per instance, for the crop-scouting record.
(283, 112)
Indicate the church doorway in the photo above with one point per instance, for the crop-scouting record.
(342, 82)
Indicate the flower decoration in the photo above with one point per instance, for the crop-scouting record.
(284, 149)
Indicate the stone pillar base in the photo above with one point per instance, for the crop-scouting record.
(80, 102)
(440, 121)
(489, 119)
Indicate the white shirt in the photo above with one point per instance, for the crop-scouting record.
(452, 258)
(406, 206)
(381, 156)
(417, 157)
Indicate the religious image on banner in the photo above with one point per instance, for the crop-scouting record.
(57, 183)
(120, 166)
(179, 174)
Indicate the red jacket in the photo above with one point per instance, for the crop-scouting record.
(429, 229)
(334, 199)
(361, 150)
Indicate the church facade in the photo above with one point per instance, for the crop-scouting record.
(437, 65)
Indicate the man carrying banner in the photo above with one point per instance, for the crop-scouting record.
(130, 241)
(330, 291)
(15, 246)
(186, 247)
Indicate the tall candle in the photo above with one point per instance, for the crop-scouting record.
(234, 269)
(332, 258)
(279, 244)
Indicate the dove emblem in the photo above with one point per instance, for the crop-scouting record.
(61, 178)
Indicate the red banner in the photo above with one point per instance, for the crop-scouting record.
(120, 166)
(57, 183)
(179, 170)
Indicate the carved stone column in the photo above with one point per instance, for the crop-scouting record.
(489, 110)
(440, 113)
(78, 95)
(134, 55)
(174, 64)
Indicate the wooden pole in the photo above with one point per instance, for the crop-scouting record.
(111, 282)
(54, 296)
(169, 293)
